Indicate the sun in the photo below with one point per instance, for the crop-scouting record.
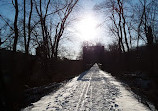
(87, 28)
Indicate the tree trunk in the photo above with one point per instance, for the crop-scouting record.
(117, 31)
(120, 13)
(130, 36)
(140, 23)
(29, 28)
(59, 36)
(24, 25)
(56, 48)
(124, 30)
(15, 26)
(121, 34)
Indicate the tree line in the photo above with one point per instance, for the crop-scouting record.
(132, 23)
(36, 23)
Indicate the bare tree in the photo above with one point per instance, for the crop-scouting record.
(15, 4)
(62, 12)
(24, 27)
(61, 25)
(4, 37)
(35, 28)
(145, 15)
(120, 27)
(29, 28)
(116, 31)
(43, 16)
(7, 31)
(121, 8)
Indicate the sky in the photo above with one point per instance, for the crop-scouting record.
(91, 26)
(100, 19)
(88, 19)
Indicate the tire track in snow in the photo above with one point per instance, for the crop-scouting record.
(84, 94)
(80, 99)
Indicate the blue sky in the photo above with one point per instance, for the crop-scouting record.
(86, 7)
(85, 10)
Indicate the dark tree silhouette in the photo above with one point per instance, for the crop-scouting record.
(15, 4)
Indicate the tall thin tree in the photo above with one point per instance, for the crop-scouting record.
(15, 4)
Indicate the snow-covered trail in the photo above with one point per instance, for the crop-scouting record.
(93, 90)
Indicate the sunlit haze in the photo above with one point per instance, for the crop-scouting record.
(87, 28)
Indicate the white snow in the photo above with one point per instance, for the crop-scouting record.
(94, 90)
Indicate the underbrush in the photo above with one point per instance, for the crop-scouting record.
(20, 73)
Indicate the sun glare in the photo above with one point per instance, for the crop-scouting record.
(87, 28)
